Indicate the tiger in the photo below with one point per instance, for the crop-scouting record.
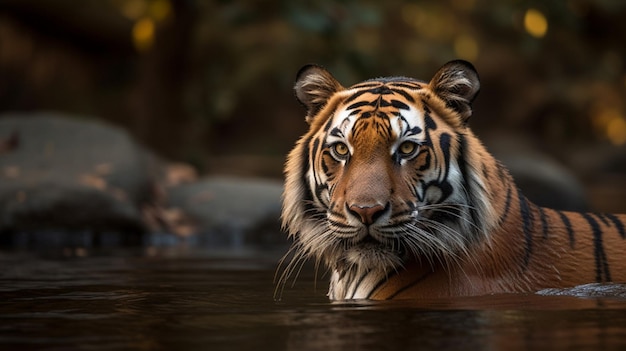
(394, 194)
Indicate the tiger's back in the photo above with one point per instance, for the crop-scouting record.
(393, 192)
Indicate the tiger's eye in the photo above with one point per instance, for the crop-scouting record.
(407, 148)
(341, 149)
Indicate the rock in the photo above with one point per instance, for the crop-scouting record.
(68, 173)
(547, 183)
(66, 181)
(542, 179)
(231, 211)
(603, 168)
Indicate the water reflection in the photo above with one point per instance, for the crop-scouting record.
(213, 302)
(528, 322)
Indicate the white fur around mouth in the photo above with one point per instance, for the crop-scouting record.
(372, 254)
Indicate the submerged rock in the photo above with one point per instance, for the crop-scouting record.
(592, 290)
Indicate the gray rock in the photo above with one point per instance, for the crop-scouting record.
(542, 179)
(547, 183)
(66, 181)
(68, 173)
(232, 211)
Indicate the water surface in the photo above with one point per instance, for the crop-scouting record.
(164, 300)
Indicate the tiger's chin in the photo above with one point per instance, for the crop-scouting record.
(358, 269)
(370, 255)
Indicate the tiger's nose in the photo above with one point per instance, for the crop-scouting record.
(367, 213)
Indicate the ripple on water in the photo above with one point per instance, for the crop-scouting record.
(221, 303)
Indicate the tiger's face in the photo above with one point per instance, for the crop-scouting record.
(379, 180)
(382, 161)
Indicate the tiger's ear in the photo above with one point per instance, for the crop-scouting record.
(457, 84)
(314, 86)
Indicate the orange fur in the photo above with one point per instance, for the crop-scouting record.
(392, 191)
(558, 258)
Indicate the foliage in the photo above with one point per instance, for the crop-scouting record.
(554, 69)
(560, 63)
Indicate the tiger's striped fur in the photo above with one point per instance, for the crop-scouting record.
(392, 191)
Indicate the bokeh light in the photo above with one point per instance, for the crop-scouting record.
(466, 47)
(535, 23)
(143, 34)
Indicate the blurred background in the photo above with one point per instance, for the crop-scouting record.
(209, 83)
(161, 126)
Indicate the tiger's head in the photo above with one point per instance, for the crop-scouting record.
(382, 177)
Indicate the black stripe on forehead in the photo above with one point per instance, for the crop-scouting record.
(361, 104)
(404, 94)
(386, 94)
(407, 84)
(367, 84)
(399, 105)
(382, 88)
(374, 89)
(379, 121)
(355, 95)
(380, 101)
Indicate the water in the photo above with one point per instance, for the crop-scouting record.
(179, 300)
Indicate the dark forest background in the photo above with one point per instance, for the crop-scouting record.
(210, 82)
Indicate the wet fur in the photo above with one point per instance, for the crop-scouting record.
(453, 222)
